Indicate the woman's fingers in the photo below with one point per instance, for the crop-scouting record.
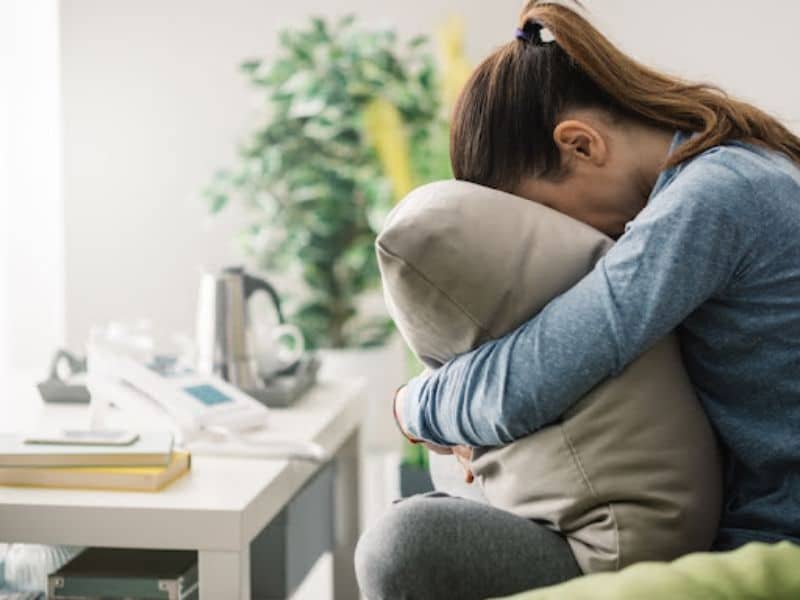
(464, 454)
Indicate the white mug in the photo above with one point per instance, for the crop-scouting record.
(272, 354)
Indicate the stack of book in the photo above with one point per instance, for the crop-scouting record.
(147, 464)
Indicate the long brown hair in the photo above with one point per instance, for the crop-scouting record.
(503, 123)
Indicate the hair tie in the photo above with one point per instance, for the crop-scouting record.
(530, 32)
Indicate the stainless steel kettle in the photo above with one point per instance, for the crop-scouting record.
(222, 329)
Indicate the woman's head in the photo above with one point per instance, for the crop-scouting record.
(561, 116)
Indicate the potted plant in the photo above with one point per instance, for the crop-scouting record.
(352, 119)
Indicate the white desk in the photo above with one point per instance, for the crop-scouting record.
(216, 509)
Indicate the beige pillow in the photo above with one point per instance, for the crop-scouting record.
(632, 471)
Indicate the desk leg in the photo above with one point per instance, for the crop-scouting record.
(346, 519)
(224, 575)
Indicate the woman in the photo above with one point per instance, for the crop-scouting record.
(703, 194)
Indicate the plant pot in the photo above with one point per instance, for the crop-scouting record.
(383, 370)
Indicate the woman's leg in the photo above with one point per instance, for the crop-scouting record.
(436, 546)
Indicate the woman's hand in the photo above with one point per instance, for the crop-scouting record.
(462, 453)
(397, 409)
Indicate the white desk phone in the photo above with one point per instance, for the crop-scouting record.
(212, 416)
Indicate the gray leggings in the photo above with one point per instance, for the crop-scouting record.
(435, 546)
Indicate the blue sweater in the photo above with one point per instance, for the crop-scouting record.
(715, 254)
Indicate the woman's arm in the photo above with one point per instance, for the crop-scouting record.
(684, 246)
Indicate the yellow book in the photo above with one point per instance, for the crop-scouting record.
(141, 479)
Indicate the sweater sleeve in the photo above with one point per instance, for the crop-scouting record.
(684, 247)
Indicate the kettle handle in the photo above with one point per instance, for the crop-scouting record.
(75, 363)
(256, 284)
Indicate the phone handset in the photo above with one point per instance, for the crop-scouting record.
(193, 401)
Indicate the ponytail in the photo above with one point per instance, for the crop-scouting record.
(504, 120)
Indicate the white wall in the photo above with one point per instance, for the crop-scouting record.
(153, 103)
(749, 49)
(31, 223)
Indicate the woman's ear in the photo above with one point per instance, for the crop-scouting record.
(579, 141)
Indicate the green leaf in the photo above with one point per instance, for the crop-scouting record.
(250, 66)
(320, 28)
(418, 41)
(315, 188)
(218, 202)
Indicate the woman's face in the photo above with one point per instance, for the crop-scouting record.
(601, 200)
(608, 171)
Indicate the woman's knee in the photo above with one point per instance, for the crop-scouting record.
(393, 556)
(436, 546)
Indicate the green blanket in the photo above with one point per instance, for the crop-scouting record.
(755, 571)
